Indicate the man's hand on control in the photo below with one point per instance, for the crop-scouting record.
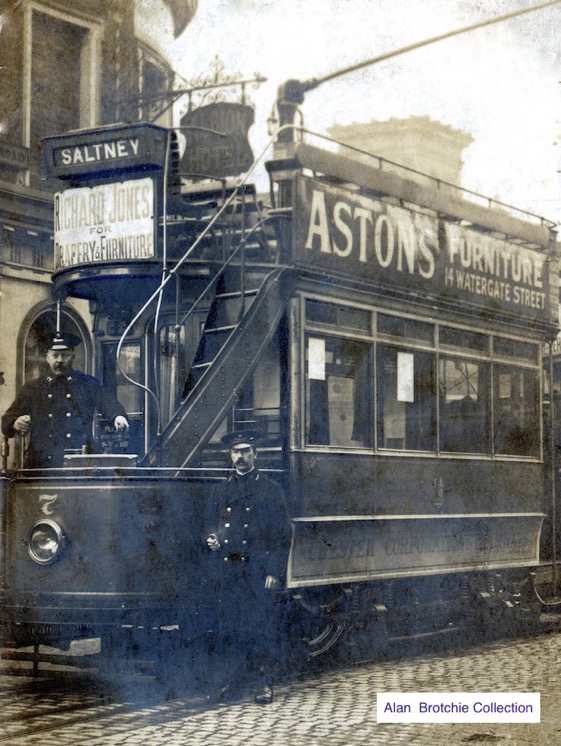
(121, 423)
(23, 424)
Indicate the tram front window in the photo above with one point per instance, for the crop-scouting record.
(338, 386)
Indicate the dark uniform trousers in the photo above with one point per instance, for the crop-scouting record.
(254, 533)
(62, 409)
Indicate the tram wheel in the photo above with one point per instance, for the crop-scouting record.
(325, 640)
(321, 623)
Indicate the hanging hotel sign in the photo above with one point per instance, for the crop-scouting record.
(341, 232)
(106, 223)
(217, 140)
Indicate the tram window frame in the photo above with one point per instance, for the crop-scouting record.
(328, 416)
(404, 328)
(260, 402)
(327, 314)
(465, 415)
(487, 354)
(468, 341)
(406, 419)
(520, 350)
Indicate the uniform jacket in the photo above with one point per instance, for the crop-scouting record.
(249, 516)
(62, 410)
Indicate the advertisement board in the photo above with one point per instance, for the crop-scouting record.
(105, 223)
(345, 233)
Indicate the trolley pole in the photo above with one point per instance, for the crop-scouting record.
(553, 475)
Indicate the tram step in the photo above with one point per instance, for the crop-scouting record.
(196, 373)
(214, 340)
(229, 306)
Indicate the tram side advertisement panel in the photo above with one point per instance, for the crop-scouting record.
(341, 232)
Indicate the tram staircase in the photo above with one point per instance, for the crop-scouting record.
(243, 317)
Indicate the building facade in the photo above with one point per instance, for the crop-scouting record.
(66, 65)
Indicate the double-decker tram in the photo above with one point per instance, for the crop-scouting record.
(384, 334)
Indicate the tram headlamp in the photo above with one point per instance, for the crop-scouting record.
(45, 542)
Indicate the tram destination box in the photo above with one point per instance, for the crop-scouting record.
(91, 154)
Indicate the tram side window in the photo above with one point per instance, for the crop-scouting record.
(464, 406)
(406, 399)
(338, 392)
(517, 424)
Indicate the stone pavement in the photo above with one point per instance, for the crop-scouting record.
(338, 708)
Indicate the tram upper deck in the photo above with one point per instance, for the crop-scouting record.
(352, 277)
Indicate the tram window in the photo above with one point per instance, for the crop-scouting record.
(464, 406)
(171, 369)
(323, 313)
(338, 392)
(397, 326)
(257, 405)
(517, 424)
(463, 340)
(113, 375)
(513, 348)
(406, 399)
(343, 317)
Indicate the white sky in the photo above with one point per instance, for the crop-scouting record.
(499, 84)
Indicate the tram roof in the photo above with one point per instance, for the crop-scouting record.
(451, 203)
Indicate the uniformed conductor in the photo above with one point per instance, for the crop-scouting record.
(250, 539)
(57, 410)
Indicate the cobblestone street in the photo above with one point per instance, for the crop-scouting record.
(336, 708)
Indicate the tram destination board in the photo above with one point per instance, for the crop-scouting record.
(94, 153)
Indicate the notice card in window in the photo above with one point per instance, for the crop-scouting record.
(405, 377)
(316, 359)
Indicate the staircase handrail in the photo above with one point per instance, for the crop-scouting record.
(224, 266)
(201, 385)
(168, 274)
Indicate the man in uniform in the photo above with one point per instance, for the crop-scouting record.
(250, 538)
(57, 410)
